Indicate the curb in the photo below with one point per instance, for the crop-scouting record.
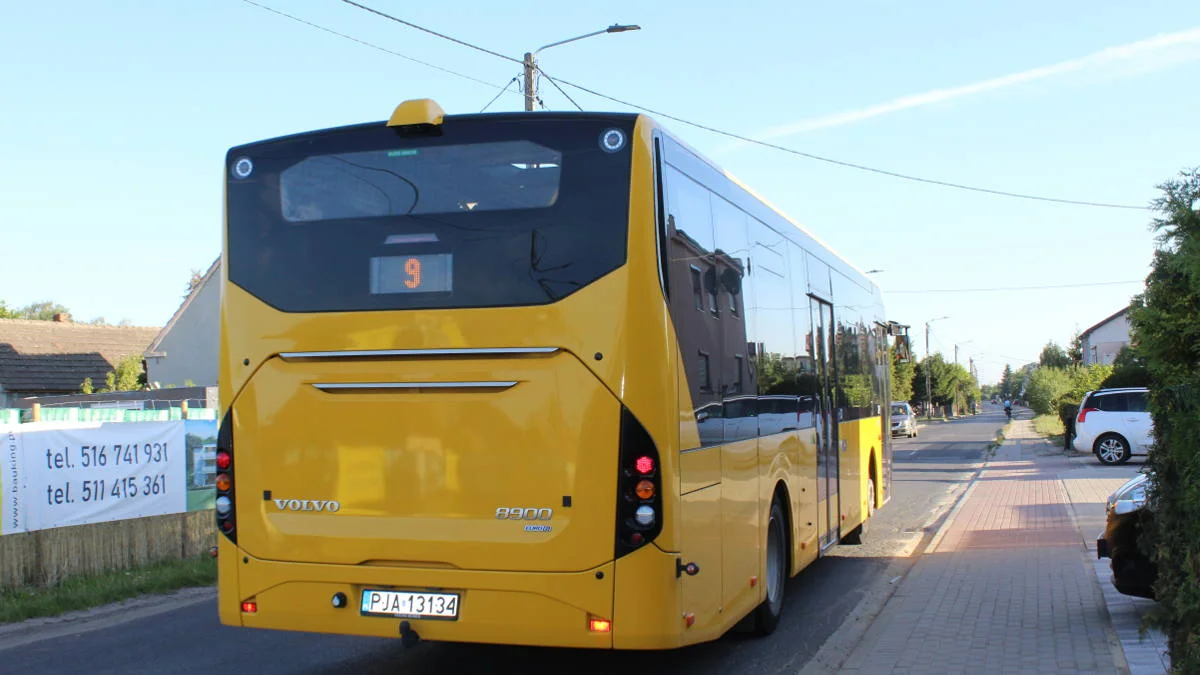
(847, 637)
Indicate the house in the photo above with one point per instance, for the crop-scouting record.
(184, 353)
(46, 358)
(1101, 343)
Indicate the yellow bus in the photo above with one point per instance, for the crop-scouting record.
(532, 378)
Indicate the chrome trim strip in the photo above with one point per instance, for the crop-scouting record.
(383, 353)
(359, 386)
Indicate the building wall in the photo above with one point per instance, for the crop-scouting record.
(190, 347)
(1103, 344)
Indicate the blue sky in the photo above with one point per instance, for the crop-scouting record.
(115, 117)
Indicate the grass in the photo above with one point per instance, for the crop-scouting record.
(84, 592)
(1051, 427)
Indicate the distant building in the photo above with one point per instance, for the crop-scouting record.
(184, 353)
(46, 358)
(1101, 343)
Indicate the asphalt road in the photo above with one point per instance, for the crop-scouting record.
(931, 471)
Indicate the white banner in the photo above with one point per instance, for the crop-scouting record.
(91, 473)
(12, 516)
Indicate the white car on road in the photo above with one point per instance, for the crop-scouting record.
(1114, 424)
(904, 421)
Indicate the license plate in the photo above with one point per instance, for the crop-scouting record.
(410, 604)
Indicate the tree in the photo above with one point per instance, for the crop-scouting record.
(1006, 383)
(128, 375)
(1053, 356)
(6, 313)
(902, 379)
(1166, 328)
(1047, 386)
(1129, 370)
(42, 311)
(1075, 351)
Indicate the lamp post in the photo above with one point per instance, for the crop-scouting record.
(928, 386)
(531, 60)
(958, 390)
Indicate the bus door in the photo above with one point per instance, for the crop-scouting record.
(827, 436)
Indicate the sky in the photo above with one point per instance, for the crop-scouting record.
(115, 117)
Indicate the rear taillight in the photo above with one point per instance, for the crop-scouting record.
(1083, 414)
(639, 487)
(226, 505)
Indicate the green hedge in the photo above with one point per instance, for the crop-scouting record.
(1166, 328)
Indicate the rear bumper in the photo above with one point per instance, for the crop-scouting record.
(514, 608)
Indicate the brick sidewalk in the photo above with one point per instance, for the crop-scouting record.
(1005, 587)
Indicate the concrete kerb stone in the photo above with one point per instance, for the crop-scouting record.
(830, 657)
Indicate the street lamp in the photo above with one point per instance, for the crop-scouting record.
(531, 62)
(928, 386)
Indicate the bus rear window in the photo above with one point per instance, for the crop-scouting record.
(491, 212)
(476, 178)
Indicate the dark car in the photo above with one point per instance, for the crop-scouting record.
(1133, 573)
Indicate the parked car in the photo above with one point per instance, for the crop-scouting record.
(1114, 424)
(1133, 573)
(904, 420)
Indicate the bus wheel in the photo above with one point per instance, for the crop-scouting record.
(766, 616)
(857, 534)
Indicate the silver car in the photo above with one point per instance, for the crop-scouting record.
(903, 419)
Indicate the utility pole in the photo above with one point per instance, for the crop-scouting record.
(928, 387)
(530, 62)
(530, 85)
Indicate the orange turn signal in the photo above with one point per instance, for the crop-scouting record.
(598, 625)
(249, 607)
(644, 489)
(223, 482)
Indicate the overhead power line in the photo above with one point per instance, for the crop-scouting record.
(431, 32)
(374, 46)
(739, 137)
(1017, 288)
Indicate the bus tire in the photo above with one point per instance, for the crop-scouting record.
(766, 615)
(857, 535)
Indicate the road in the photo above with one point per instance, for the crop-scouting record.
(931, 471)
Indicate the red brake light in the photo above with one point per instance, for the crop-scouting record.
(644, 464)
(1083, 414)
(598, 625)
(250, 607)
(223, 460)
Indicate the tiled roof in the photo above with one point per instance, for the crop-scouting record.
(51, 357)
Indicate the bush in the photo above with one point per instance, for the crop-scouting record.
(1046, 388)
(1066, 413)
(1166, 329)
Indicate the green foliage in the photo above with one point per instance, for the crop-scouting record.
(902, 380)
(38, 311)
(1007, 388)
(1048, 425)
(42, 311)
(1047, 386)
(1075, 351)
(128, 375)
(950, 383)
(1053, 356)
(1087, 378)
(1166, 325)
(1129, 370)
(87, 387)
(82, 592)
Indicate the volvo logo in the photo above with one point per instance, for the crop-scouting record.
(329, 506)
